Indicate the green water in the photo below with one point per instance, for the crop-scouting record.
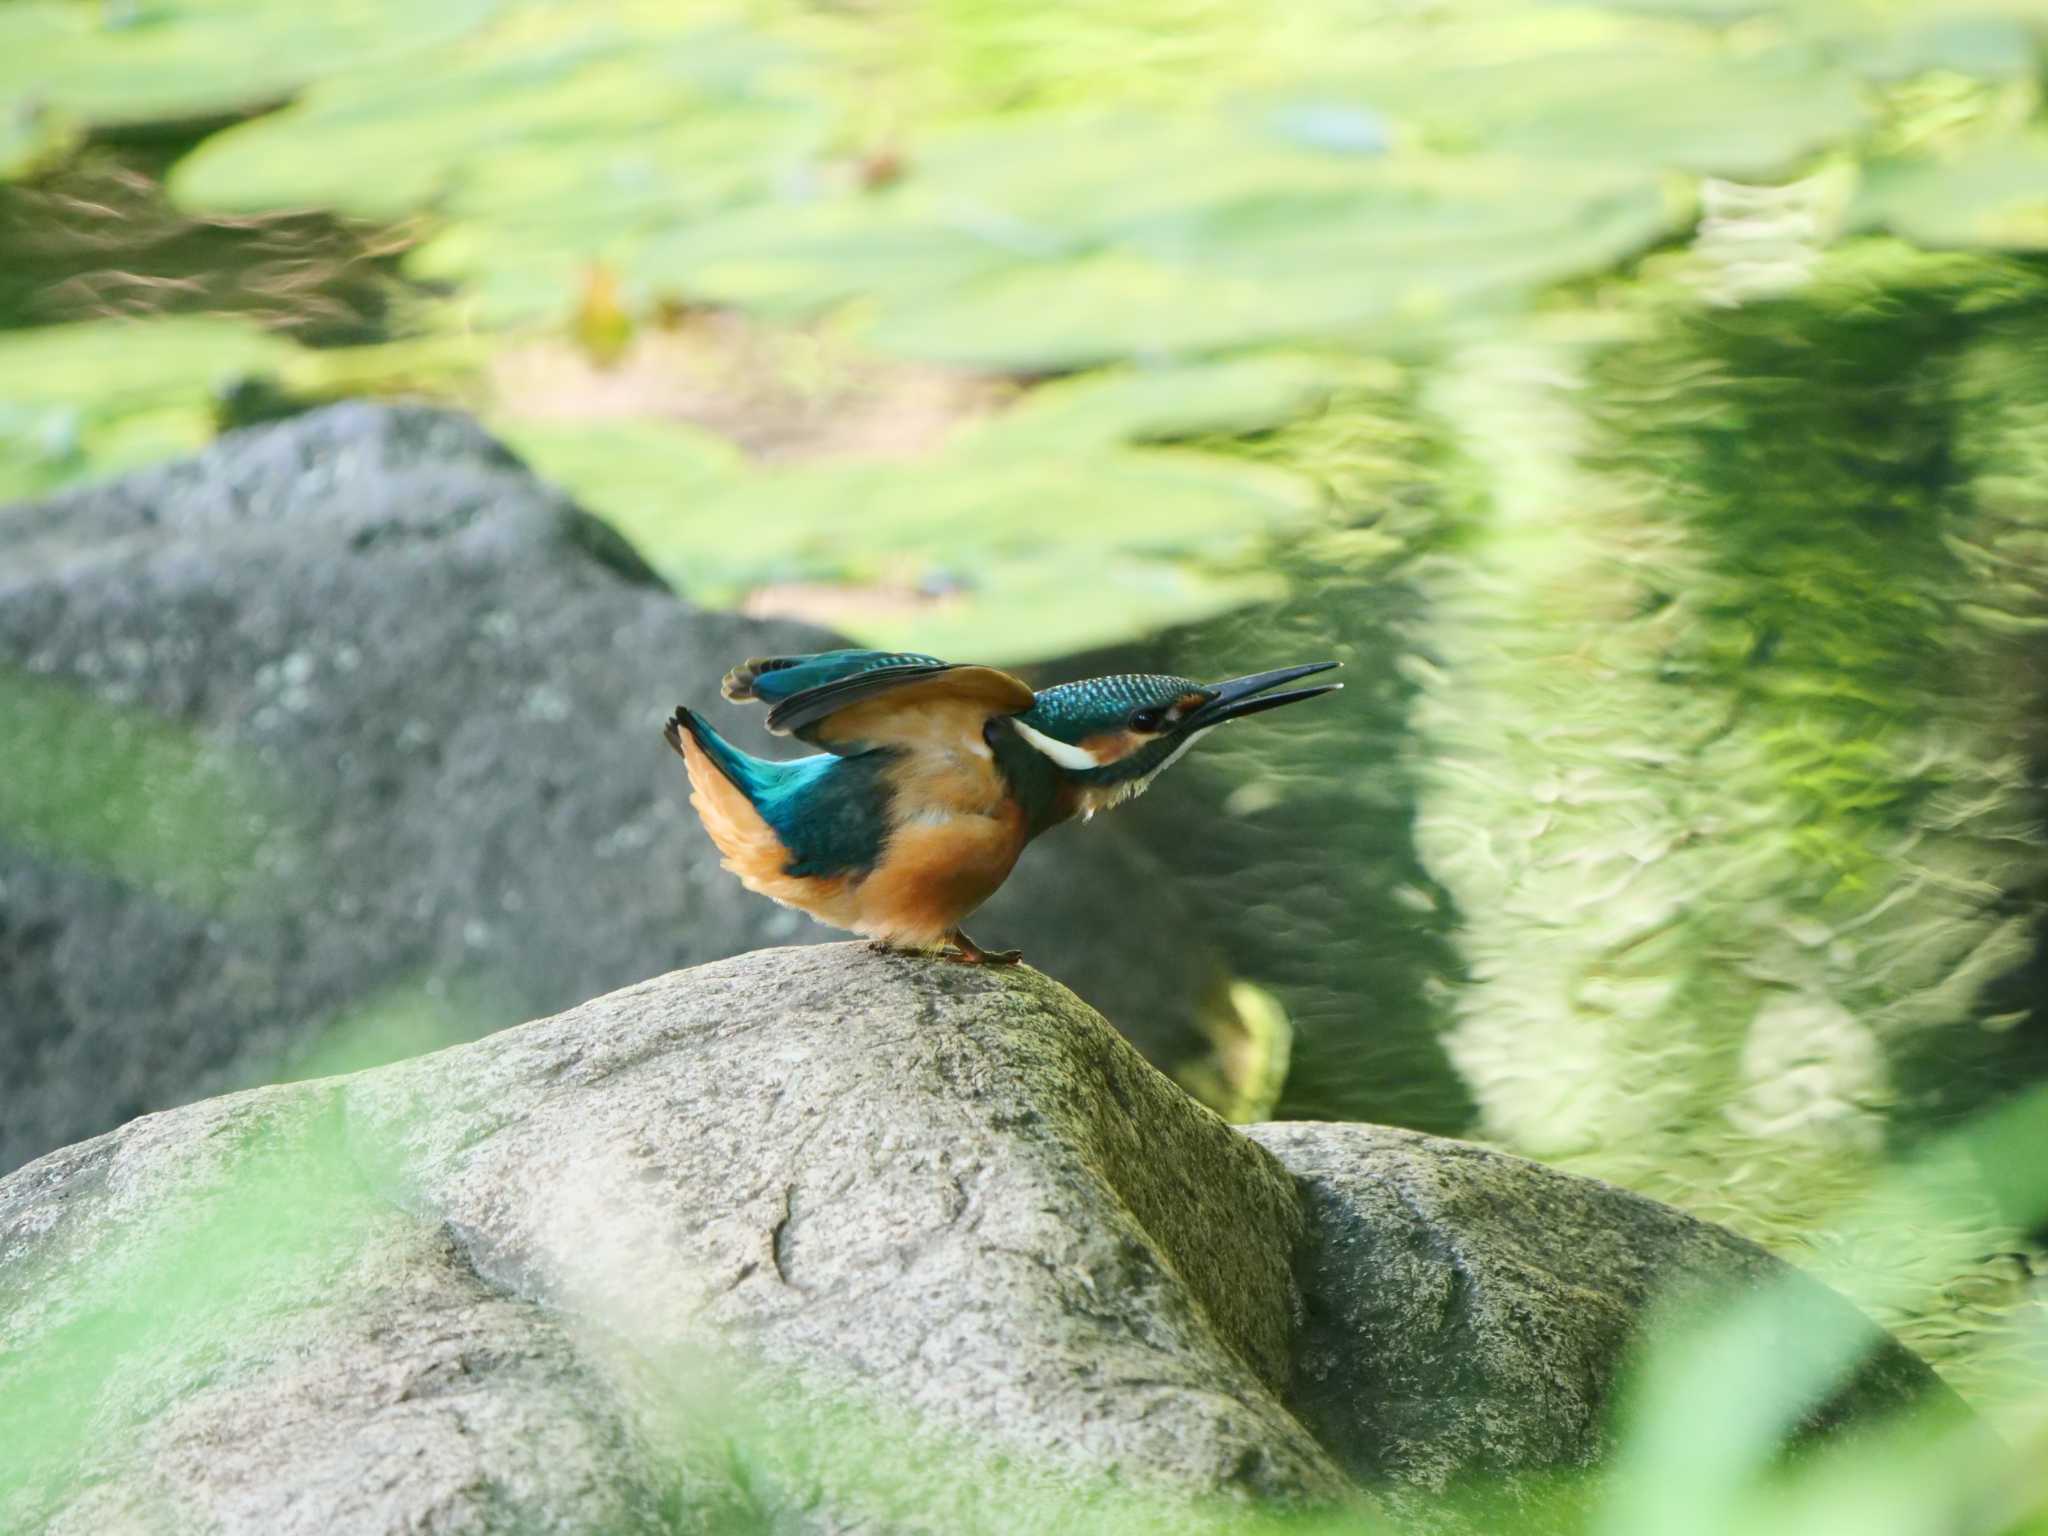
(1693, 833)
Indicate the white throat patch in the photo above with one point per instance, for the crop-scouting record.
(1116, 794)
(1065, 753)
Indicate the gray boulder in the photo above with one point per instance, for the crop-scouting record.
(1469, 1312)
(341, 740)
(814, 1240)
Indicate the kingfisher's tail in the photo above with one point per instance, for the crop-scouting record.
(727, 758)
(682, 720)
(751, 776)
(732, 792)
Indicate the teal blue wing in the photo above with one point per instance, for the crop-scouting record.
(804, 692)
(778, 681)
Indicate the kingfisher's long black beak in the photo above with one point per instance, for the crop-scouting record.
(1243, 696)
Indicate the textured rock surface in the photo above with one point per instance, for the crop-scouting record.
(812, 1240)
(1469, 1312)
(952, 1204)
(440, 687)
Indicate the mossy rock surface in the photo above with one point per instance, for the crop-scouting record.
(808, 1240)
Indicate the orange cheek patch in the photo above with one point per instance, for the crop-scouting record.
(1111, 746)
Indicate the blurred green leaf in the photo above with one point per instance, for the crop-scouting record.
(1687, 105)
(127, 61)
(126, 793)
(1888, 46)
(560, 134)
(110, 366)
(105, 396)
(1993, 194)
(396, 1024)
(113, 394)
(639, 475)
(1137, 405)
(1055, 242)
(1716, 1393)
(32, 136)
(547, 146)
(1039, 532)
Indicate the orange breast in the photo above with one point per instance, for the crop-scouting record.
(935, 870)
(957, 833)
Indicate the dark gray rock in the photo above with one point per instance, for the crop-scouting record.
(813, 1240)
(1469, 1312)
(341, 740)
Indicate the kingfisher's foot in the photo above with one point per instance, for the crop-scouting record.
(967, 952)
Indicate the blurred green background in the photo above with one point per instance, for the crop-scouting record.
(1649, 403)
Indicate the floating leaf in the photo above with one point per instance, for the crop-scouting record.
(1993, 194)
(638, 475)
(104, 396)
(1037, 533)
(32, 136)
(1034, 609)
(127, 61)
(1686, 106)
(1057, 242)
(1103, 410)
(1985, 45)
(541, 150)
(1335, 126)
(115, 364)
(112, 394)
(708, 162)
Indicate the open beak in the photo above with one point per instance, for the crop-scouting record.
(1243, 696)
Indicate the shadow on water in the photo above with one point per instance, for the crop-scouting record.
(1310, 864)
(96, 235)
(1860, 469)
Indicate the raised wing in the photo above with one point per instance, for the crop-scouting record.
(776, 679)
(847, 700)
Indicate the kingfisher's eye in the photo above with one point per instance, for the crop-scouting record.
(1148, 719)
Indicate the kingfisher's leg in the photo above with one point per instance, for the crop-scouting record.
(967, 952)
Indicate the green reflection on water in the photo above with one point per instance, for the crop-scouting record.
(1687, 791)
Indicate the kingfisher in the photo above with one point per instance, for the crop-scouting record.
(931, 778)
